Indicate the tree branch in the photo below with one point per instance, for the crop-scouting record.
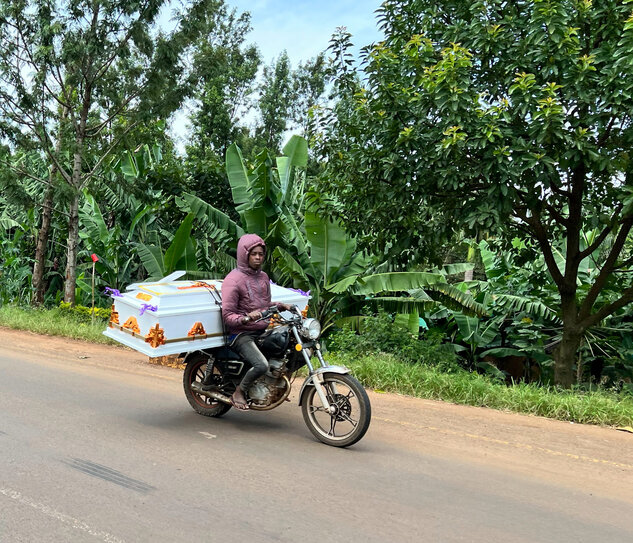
(605, 135)
(609, 309)
(107, 153)
(539, 232)
(603, 235)
(95, 131)
(607, 269)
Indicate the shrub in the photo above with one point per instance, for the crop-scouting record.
(380, 334)
(83, 313)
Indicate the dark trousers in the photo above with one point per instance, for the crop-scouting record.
(246, 347)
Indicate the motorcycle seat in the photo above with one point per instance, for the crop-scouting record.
(226, 353)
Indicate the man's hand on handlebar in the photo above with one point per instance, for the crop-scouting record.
(252, 316)
(258, 315)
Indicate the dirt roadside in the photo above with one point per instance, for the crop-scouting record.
(587, 458)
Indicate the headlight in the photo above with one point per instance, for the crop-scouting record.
(311, 328)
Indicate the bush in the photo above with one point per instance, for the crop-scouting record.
(83, 313)
(380, 334)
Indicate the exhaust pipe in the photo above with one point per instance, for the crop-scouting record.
(197, 388)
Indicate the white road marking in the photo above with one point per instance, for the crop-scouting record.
(50, 512)
(208, 435)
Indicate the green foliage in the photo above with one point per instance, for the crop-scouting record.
(224, 71)
(180, 255)
(78, 78)
(309, 251)
(382, 334)
(85, 314)
(495, 116)
(385, 372)
(15, 270)
(54, 322)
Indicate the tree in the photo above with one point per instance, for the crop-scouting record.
(77, 76)
(224, 71)
(309, 85)
(275, 102)
(511, 116)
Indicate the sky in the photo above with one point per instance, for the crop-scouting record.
(304, 27)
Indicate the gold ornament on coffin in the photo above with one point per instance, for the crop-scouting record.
(132, 324)
(114, 317)
(143, 296)
(155, 336)
(197, 330)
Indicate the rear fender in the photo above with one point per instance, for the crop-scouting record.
(318, 374)
(187, 356)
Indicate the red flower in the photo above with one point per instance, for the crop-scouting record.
(94, 257)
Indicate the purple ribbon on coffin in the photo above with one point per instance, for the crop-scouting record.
(147, 307)
(113, 292)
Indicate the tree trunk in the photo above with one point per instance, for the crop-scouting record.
(39, 286)
(565, 357)
(71, 254)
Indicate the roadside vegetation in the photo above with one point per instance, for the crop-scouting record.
(422, 369)
(465, 235)
(55, 322)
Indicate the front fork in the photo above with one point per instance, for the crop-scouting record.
(317, 378)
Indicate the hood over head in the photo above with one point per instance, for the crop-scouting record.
(244, 246)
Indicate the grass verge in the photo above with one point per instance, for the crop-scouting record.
(54, 322)
(384, 372)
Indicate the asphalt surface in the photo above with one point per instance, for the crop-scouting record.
(98, 445)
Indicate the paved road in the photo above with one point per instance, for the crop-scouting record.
(97, 445)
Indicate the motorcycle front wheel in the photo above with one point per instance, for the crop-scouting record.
(194, 372)
(351, 414)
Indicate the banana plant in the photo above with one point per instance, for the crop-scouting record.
(310, 252)
(180, 255)
(268, 199)
(111, 244)
(336, 275)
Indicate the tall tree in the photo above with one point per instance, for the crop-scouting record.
(224, 72)
(224, 68)
(277, 95)
(309, 81)
(496, 114)
(77, 75)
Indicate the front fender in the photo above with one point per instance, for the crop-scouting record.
(317, 373)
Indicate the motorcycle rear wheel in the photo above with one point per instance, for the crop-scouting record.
(352, 411)
(194, 372)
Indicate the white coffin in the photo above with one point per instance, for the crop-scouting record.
(159, 319)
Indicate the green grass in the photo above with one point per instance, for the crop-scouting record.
(54, 322)
(384, 372)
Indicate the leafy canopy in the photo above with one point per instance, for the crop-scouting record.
(500, 116)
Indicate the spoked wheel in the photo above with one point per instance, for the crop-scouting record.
(194, 373)
(349, 417)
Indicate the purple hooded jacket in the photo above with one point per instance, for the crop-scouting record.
(245, 289)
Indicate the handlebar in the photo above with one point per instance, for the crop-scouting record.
(272, 310)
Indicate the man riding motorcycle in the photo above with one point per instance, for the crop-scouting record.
(245, 295)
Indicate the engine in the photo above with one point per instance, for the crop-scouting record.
(270, 388)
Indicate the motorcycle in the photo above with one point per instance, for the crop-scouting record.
(334, 404)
